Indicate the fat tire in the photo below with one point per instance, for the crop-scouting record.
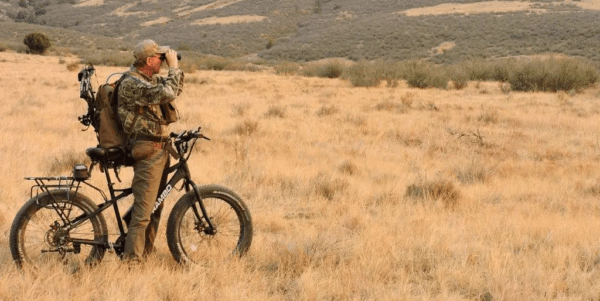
(19, 229)
(183, 207)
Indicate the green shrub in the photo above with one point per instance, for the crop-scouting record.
(215, 63)
(390, 71)
(487, 70)
(459, 76)
(37, 42)
(501, 69)
(426, 75)
(363, 74)
(552, 75)
(331, 69)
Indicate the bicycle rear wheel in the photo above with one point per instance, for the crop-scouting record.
(40, 233)
(191, 242)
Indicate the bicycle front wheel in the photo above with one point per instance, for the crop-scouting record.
(43, 232)
(189, 239)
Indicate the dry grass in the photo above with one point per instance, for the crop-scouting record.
(462, 195)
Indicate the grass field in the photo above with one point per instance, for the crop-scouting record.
(356, 193)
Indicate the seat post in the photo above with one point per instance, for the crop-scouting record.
(109, 182)
(111, 190)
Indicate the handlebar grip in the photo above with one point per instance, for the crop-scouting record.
(175, 135)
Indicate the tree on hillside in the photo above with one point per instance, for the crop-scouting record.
(37, 42)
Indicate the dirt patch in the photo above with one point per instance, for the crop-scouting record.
(471, 8)
(215, 5)
(442, 48)
(90, 3)
(122, 11)
(161, 20)
(587, 4)
(229, 20)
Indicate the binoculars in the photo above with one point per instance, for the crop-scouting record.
(164, 57)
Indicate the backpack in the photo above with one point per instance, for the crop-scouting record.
(109, 130)
(103, 114)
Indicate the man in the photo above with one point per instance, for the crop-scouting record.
(141, 95)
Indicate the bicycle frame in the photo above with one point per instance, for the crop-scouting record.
(180, 172)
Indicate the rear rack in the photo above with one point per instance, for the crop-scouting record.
(44, 184)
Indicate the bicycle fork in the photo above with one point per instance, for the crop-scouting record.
(208, 229)
(203, 220)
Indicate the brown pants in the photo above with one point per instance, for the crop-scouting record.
(150, 161)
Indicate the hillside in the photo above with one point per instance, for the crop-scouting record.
(306, 30)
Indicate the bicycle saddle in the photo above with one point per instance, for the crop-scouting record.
(98, 153)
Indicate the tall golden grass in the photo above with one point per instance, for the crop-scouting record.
(356, 193)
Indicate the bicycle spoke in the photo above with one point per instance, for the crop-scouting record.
(199, 245)
(46, 238)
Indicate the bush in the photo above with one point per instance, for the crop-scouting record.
(552, 75)
(459, 77)
(215, 63)
(73, 66)
(331, 69)
(287, 68)
(390, 71)
(441, 190)
(486, 70)
(425, 75)
(37, 43)
(363, 74)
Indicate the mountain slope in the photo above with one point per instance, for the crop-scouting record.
(314, 29)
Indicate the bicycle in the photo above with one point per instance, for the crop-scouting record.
(60, 224)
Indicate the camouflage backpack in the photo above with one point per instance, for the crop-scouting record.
(102, 111)
(103, 114)
(109, 131)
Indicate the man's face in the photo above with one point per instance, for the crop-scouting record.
(154, 63)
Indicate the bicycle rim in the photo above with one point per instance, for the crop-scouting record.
(200, 246)
(42, 243)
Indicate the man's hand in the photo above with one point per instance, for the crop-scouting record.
(171, 57)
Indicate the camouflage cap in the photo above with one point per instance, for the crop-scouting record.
(147, 48)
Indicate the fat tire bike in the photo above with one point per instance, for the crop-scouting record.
(60, 225)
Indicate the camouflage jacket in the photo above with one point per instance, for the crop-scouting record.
(140, 94)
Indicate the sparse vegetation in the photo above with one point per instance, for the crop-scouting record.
(246, 127)
(73, 66)
(383, 193)
(275, 111)
(215, 63)
(434, 190)
(287, 68)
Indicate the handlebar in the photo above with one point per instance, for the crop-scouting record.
(188, 135)
(182, 139)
